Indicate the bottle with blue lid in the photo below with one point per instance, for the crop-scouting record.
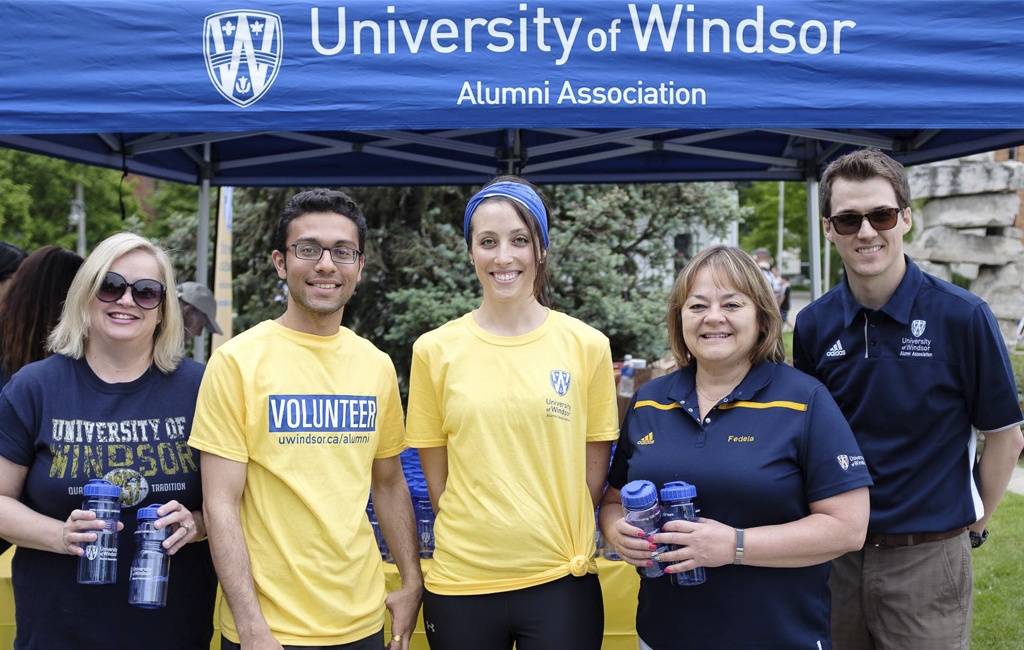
(641, 509)
(98, 566)
(677, 503)
(151, 566)
(424, 512)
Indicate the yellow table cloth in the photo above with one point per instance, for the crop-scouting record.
(619, 582)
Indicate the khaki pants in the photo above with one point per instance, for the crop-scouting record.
(908, 597)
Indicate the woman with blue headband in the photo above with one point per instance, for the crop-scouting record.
(513, 409)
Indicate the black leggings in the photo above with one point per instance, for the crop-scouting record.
(566, 614)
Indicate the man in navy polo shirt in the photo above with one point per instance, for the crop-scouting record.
(916, 364)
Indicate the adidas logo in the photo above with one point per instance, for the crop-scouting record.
(646, 440)
(836, 351)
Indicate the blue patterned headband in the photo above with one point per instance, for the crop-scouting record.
(518, 192)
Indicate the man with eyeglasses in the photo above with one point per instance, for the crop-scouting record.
(297, 419)
(916, 364)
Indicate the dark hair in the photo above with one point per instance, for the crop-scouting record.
(319, 200)
(33, 306)
(10, 257)
(540, 289)
(732, 265)
(863, 165)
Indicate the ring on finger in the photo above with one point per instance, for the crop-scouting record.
(186, 527)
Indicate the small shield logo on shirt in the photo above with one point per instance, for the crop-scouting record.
(917, 327)
(560, 381)
(844, 461)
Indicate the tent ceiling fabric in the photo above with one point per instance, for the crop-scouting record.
(449, 92)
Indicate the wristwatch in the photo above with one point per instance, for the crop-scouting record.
(977, 540)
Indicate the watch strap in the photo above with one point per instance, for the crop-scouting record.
(738, 559)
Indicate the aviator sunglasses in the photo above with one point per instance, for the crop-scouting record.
(848, 223)
(147, 294)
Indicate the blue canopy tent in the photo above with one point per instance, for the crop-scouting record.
(450, 92)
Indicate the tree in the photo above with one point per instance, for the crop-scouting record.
(36, 194)
(611, 261)
(613, 250)
(761, 229)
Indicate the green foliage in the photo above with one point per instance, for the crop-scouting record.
(611, 260)
(762, 197)
(35, 200)
(612, 255)
(961, 281)
(998, 587)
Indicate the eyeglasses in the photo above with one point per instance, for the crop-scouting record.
(848, 223)
(147, 294)
(340, 254)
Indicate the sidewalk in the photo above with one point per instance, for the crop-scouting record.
(1017, 482)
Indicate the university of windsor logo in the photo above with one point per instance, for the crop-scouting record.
(917, 327)
(560, 381)
(243, 50)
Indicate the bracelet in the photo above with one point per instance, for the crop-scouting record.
(739, 547)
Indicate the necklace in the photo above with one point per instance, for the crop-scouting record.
(710, 399)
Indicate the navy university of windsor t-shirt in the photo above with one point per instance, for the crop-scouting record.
(68, 426)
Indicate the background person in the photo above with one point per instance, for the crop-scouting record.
(198, 309)
(784, 302)
(10, 258)
(916, 364)
(114, 401)
(286, 498)
(780, 480)
(32, 307)
(513, 409)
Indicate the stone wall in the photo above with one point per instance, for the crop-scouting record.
(972, 224)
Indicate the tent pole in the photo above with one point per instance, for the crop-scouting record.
(814, 232)
(203, 244)
(782, 212)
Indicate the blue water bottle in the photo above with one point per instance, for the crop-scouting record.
(378, 535)
(640, 508)
(424, 512)
(99, 564)
(151, 565)
(677, 503)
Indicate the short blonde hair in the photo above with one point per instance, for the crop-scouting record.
(737, 268)
(72, 332)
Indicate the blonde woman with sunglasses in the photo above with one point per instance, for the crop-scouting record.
(114, 401)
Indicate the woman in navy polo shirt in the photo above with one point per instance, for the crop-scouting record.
(781, 484)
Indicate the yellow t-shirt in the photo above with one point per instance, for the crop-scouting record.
(308, 414)
(515, 414)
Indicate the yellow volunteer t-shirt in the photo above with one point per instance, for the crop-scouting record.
(515, 414)
(308, 414)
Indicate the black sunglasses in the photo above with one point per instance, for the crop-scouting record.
(147, 294)
(848, 223)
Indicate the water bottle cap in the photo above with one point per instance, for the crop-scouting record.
(149, 512)
(99, 487)
(637, 495)
(676, 490)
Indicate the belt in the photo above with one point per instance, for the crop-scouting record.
(910, 539)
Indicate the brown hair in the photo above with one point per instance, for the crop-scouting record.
(737, 268)
(540, 278)
(863, 165)
(33, 305)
